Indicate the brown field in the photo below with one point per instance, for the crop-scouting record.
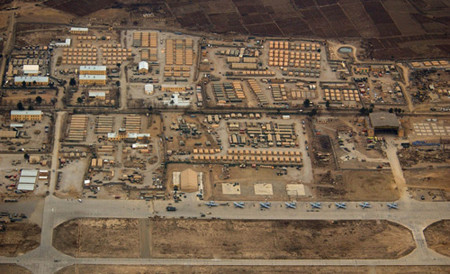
(98, 238)
(388, 24)
(13, 269)
(112, 269)
(19, 238)
(429, 182)
(438, 237)
(234, 239)
(356, 186)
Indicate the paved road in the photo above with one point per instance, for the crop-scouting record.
(413, 214)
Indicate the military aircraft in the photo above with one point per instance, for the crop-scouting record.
(211, 204)
(239, 204)
(292, 205)
(392, 205)
(365, 205)
(316, 205)
(265, 205)
(341, 205)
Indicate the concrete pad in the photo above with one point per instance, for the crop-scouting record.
(263, 189)
(295, 189)
(231, 188)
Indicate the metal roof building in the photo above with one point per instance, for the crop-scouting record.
(31, 79)
(29, 173)
(92, 68)
(143, 66)
(26, 112)
(31, 69)
(384, 120)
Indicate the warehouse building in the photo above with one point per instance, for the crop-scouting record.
(92, 70)
(75, 30)
(8, 134)
(66, 43)
(148, 89)
(31, 80)
(143, 67)
(31, 69)
(384, 122)
(27, 180)
(86, 79)
(176, 100)
(97, 95)
(187, 180)
(26, 115)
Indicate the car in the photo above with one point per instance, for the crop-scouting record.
(171, 208)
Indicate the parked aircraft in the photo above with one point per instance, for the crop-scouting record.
(341, 205)
(365, 205)
(392, 205)
(316, 205)
(211, 204)
(292, 205)
(265, 205)
(239, 204)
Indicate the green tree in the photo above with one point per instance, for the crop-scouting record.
(20, 106)
(79, 100)
(391, 110)
(26, 156)
(24, 84)
(306, 103)
(327, 104)
(72, 82)
(38, 100)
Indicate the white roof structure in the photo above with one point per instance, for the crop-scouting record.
(28, 173)
(112, 134)
(76, 29)
(16, 125)
(175, 100)
(92, 77)
(176, 178)
(148, 88)
(92, 68)
(133, 135)
(25, 187)
(31, 69)
(143, 65)
(64, 44)
(97, 94)
(27, 180)
(26, 112)
(31, 79)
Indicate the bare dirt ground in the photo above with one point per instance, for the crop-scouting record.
(13, 269)
(431, 183)
(356, 186)
(180, 238)
(282, 239)
(98, 238)
(111, 269)
(438, 237)
(19, 238)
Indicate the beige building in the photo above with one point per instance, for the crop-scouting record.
(92, 70)
(26, 115)
(86, 79)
